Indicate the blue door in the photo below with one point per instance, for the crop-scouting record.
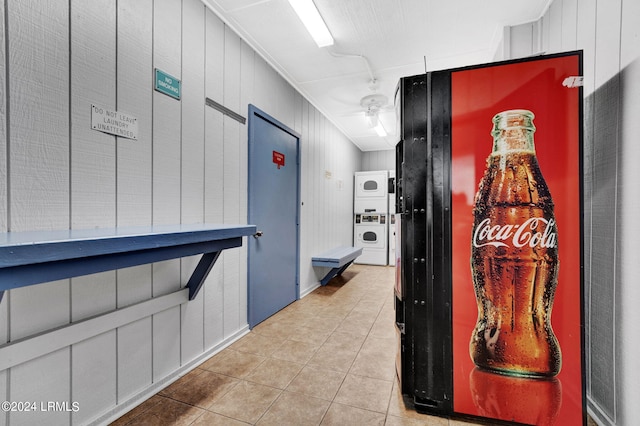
(273, 207)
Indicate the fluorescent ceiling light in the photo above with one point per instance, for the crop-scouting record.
(311, 19)
(380, 130)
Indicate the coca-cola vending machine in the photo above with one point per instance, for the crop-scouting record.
(489, 290)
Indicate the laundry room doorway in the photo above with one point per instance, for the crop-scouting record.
(273, 206)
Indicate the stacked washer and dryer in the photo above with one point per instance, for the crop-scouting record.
(371, 217)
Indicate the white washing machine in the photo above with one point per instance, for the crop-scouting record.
(371, 192)
(371, 233)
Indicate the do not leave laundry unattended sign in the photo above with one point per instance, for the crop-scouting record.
(114, 122)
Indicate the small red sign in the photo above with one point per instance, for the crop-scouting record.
(278, 159)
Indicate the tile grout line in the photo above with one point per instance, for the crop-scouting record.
(361, 293)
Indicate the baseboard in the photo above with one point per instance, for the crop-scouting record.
(309, 290)
(121, 409)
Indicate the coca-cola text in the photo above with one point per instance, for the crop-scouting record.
(522, 235)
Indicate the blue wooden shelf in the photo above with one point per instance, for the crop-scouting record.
(28, 258)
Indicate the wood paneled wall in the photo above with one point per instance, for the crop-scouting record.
(188, 165)
(379, 160)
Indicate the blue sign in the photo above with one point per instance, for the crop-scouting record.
(167, 84)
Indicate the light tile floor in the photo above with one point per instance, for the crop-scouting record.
(327, 359)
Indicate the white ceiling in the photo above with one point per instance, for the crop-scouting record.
(383, 39)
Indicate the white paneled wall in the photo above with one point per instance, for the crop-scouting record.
(4, 313)
(609, 34)
(378, 160)
(38, 185)
(128, 333)
(3, 145)
(327, 189)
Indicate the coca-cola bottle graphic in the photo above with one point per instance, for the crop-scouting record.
(514, 257)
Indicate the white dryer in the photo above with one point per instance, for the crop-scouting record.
(370, 192)
(371, 234)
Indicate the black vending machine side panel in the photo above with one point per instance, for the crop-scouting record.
(412, 91)
(426, 372)
(439, 357)
(399, 282)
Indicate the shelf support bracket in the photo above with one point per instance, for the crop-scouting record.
(201, 272)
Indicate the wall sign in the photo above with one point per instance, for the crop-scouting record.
(113, 122)
(167, 84)
(278, 158)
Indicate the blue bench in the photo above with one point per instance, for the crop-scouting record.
(338, 259)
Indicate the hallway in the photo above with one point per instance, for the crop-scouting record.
(327, 359)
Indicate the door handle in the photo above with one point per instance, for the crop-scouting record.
(258, 234)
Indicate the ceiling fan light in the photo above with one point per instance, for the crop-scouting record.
(371, 117)
(310, 17)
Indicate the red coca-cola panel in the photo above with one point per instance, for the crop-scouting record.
(477, 95)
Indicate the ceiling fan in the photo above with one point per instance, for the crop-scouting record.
(372, 105)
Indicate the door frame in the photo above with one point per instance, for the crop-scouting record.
(255, 112)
